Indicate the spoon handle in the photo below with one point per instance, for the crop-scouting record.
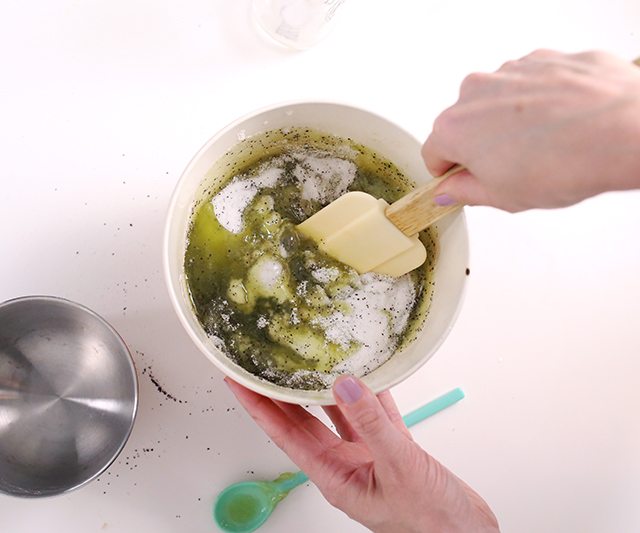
(285, 485)
(433, 407)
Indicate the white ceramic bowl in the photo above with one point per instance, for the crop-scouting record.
(378, 134)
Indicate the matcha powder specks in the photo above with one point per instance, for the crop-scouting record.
(273, 302)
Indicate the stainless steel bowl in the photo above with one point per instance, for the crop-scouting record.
(68, 396)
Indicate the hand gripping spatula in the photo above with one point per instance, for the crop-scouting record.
(370, 235)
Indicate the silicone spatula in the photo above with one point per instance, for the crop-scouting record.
(370, 235)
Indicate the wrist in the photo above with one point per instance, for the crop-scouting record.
(480, 521)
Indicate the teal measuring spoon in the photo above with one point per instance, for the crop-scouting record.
(244, 507)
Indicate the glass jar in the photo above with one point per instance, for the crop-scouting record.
(297, 24)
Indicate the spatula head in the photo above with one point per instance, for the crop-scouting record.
(354, 229)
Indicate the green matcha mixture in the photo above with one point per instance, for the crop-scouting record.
(271, 300)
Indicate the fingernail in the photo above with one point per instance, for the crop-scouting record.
(443, 200)
(348, 390)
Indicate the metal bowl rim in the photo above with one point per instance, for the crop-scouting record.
(132, 368)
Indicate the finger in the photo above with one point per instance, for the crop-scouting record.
(542, 54)
(301, 446)
(303, 418)
(434, 156)
(390, 407)
(369, 420)
(343, 427)
(462, 188)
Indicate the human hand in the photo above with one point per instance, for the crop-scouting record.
(375, 473)
(548, 130)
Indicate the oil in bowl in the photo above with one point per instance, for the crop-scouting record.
(266, 295)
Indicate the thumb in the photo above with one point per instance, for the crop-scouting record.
(366, 415)
(461, 188)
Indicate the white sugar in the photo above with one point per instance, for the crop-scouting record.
(402, 292)
(323, 178)
(325, 275)
(267, 178)
(268, 272)
(301, 290)
(229, 204)
(379, 313)
(336, 329)
(302, 377)
(218, 343)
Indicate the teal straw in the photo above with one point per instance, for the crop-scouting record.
(433, 407)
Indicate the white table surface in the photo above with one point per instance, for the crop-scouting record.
(103, 103)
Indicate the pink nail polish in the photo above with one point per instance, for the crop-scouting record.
(348, 390)
(444, 200)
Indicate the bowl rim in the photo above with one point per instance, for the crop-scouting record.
(136, 388)
(279, 392)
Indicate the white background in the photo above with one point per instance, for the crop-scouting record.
(103, 103)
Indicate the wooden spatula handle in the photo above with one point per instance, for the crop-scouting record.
(417, 210)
